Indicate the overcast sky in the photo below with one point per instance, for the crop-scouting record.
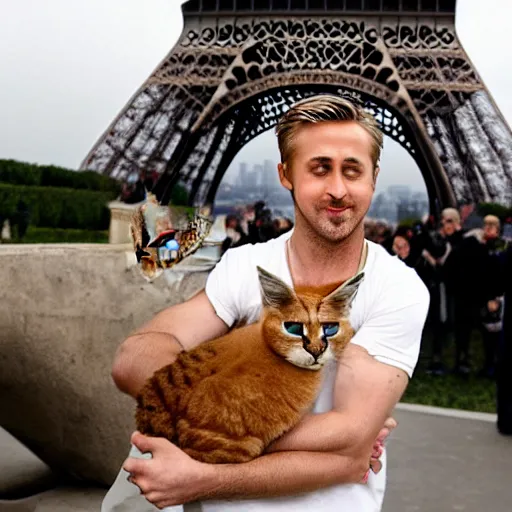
(68, 66)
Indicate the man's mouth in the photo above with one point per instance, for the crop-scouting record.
(336, 210)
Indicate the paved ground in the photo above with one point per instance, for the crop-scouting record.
(442, 464)
(436, 464)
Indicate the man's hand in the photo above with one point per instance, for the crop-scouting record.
(170, 477)
(378, 448)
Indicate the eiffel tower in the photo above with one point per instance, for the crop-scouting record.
(239, 64)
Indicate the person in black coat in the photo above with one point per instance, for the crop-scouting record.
(504, 364)
(464, 278)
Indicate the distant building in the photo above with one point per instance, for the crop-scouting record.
(242, 175)
(399, 192)
(269, 178)
(399, 203)
(254, 177)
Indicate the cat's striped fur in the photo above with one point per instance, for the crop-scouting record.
(228, 399)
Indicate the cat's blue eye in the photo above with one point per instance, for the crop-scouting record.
(330, 329)
(295, 328)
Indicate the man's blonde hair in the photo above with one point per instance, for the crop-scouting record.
(493, 220)
(451, 214)
(325, 107)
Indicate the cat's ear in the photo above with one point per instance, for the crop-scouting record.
(274, 292)
(342, 297)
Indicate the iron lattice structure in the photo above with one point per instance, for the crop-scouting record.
(239, 64)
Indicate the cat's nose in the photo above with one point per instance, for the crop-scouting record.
(315, 348)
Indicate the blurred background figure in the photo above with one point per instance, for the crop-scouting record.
(504, 375)
(493, 306)
(463, 275)
(22, 219)
(235, 234)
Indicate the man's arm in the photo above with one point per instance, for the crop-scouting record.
(326, 449)
(157, 343)
(171, 477)
(365, 394)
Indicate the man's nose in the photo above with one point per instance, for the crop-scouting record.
(336, 186)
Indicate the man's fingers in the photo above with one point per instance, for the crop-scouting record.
(375, 465)
(377, 451)
(383, 435)
(144, 443)
(147, 444)
(390, 424)
(153, 497)
(135, 467)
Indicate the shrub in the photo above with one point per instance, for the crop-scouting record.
(179, 195)
(499, 210)
(21, 173)
(58, 207)
(58, 236)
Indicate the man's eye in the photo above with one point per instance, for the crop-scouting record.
(321, 169)
(330, 329)
(352, 173)
(294, 328)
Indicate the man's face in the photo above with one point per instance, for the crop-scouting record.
(449, 226)
(401, 247)
(491, 231)
(331, 175)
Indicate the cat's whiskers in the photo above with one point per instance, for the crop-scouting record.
(326, 356)
(303, 359)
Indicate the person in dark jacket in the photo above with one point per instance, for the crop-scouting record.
(463, 275)
(504, 365)
(492, 310)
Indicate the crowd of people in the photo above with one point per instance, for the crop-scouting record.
(461, 265)
(253, 224)
(463, 270)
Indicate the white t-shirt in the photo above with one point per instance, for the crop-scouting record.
(388, 314)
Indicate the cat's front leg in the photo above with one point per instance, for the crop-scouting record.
(152, 417)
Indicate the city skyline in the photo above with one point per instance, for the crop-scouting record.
(397, 166)
(394, 203)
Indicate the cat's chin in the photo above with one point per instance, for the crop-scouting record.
(299, 357)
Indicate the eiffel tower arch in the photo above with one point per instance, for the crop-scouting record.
(239, 64)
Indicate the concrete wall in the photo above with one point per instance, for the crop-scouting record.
(63, 311)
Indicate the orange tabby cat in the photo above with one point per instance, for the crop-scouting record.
(228, 399)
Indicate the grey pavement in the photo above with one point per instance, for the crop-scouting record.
(442, 464)
(437, 463)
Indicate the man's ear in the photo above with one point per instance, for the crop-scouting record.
(284, 172)
(375, 174)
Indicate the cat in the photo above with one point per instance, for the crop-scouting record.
(228, 399)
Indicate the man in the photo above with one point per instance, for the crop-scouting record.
(492, 301)
(504, 376)
(329, 162)
(463, 276)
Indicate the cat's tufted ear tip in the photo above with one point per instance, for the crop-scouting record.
(356, 280)
(343, 296)
(275, 293)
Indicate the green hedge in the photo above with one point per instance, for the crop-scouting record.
(58, 207)
(179, 195)
(21, 173)
(59, 236)
(499, 210)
